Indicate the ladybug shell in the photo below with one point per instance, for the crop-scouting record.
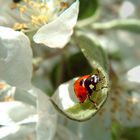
(80, 90)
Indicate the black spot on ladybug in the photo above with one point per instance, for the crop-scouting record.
(16, 1)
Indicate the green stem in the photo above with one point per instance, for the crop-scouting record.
(132, 25)
(88, 21)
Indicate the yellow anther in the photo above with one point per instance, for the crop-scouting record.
(8, 99)
(43, 6)
(33, 4)
(64, 5)
(26, 1)
(13, 5)
(2, 85)
(36, 12)
(23, 9)
(37, 20)
(19, 26)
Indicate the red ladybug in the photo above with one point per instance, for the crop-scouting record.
(85, 86)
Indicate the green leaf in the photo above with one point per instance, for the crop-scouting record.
(65, 100)
(132, 25)
(87, 8)
(93, 52)
(70, 68)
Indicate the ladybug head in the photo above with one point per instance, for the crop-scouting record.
(90, 83)
(94, 79)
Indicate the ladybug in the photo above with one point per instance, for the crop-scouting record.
(85, 86)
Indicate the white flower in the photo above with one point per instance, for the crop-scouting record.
(26, 112)
(53, 20)
(15, 58)
(133, 74)
(57, 33)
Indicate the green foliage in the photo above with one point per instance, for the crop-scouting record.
(131, 133)
(93, 52)
(71, 66)
(127, 133)
(98, 60)
(87, 8)
(132, 25)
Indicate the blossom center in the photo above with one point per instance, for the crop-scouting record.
(36, 13)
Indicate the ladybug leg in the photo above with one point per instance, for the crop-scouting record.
(81, 102)
(93, 102)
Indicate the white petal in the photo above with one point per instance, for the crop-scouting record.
(124, 12)
(64, 133)
(57, 33)
(133, 75)
(15, 58)
(7, 20)
(47, 117)
(9, 116)
(8, 15)
(16, 132)
(64, 96)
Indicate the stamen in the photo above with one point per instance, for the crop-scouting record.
(35, 14)
(23, 9)
(2, 85)
(64, 5)
(20, 26)
(13, 5)
(8, 99)
(26, 1)
(39, 20)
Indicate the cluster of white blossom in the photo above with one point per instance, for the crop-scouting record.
(26, 112)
